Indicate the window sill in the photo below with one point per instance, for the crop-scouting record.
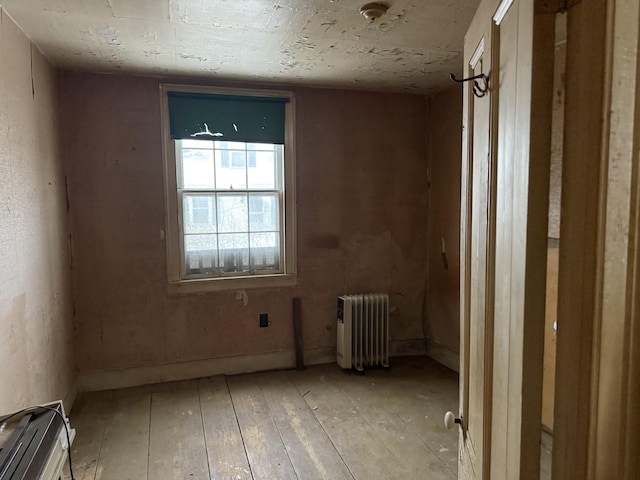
(202, 285)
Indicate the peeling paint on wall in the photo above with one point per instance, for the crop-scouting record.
(36, 317)
(110, 35)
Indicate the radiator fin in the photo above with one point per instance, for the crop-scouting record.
(363, 331)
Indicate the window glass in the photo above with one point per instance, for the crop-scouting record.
(231, 174)
(230, 225)
(263, 212)
(234, 252)
(233, 212)
(199, 213)
(262, 170)
(197, 168)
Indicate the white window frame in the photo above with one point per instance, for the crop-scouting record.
(173, 228)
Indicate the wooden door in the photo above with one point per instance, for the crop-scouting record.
(505, 176)
(477, 243)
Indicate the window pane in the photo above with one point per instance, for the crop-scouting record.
(186, 143)
(260, 146)
(233, 212)
(238, 158)
(198, 243)
(265, 251)
(234, 252)
(197, 168)
(262, 169)
(230, 145)
(199, 213)
(231, 169)
(251, 157)
(263, 212)
(201, 253)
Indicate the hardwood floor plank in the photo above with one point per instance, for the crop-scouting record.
(311, 452)
(422, 391)
(359, 444)
(265, 450)
(125, 448)
(176, 444)
(89, 417)
(314, 424)
(225, 449)
(376, 407)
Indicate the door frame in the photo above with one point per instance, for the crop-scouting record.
(596, 422)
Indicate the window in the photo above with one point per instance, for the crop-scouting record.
(229, 175)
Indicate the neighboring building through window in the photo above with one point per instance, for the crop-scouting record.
(229, 172)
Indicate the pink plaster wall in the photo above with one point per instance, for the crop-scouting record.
(36, 319)
(361, 213)
(442, 322)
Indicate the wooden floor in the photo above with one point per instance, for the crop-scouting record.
(320, 423)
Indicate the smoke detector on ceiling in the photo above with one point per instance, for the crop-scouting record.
(373, 11)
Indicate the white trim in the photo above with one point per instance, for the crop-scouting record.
(231, 283)
(477, 54)
(171, 203)
(247, 92)
(501, 11)
(291, 264)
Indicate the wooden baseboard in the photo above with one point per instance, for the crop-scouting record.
(443, 355)
(70, 398)
(279, 360)
(407, 347)
(135, 376)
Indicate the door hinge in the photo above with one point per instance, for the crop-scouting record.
(554, 6)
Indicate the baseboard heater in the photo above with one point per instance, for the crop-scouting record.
(34, 443)
(363, 331)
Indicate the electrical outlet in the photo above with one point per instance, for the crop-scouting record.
(264, 320)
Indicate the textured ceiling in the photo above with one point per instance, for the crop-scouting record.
(413, 47)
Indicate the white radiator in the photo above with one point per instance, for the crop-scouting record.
(363, 331)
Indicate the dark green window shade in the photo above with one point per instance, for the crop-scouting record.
(228, 118)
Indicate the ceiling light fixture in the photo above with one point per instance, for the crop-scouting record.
(373, 11)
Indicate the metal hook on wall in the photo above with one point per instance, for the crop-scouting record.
(478, 90)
